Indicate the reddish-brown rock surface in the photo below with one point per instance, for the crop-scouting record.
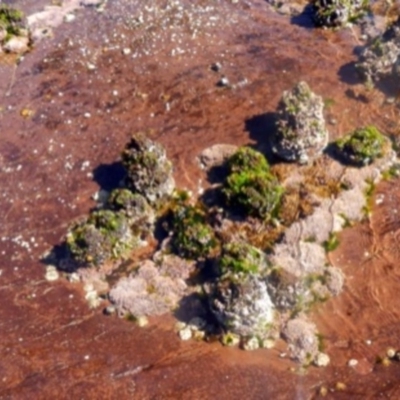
(87, 95)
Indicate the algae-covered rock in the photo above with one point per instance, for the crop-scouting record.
(14, 37)
(149, 172)
(239, 299)
(301, 134)
(250, 186)
(362, 147)
(133, 205)
(380, 58)
(106, 235)
(336, 13)
(192, 236)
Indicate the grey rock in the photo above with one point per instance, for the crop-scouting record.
(301, 134)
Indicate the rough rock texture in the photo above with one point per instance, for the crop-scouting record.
(301, 134)
(334, 13)
(380, 58)
(302, 339)
(216, 155)
(153, 289)
(149, 172)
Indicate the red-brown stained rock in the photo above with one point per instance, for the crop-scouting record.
(52, 345)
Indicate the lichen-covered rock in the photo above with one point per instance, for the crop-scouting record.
(335, 13)
(106, 235)
(149, 172)
(302, 338)
(239, 299)
(301, 134)
(154, 288)
(133, 205)
(381, 56)
(362, 146)
(250, 186)
(192, 236)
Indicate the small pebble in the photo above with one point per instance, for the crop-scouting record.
(185, 333)
(216, 67)
(352, 363)
(391, 352)
(142, 321)
(223, 82)
(51, 273)
(251, 344)
(322, 360)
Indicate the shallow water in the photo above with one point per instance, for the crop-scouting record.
(54, 161)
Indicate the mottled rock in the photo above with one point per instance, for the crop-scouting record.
(216, 155)
(152, 290)
(301, 134)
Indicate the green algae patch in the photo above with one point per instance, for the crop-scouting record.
(242, 259)
(250, 186)
(362, 147)
(104, 236)
(192, 236)
(10, 21)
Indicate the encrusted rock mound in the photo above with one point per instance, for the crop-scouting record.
(381, 56)
(239, 298)
(149, 172)
(301, 133)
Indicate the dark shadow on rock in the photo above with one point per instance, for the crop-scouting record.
(109, 176)
(191, 306)
(358, 97)
(389, 86)
(60, 257)
(261, 129)
(305, 19)
(349, 74)
(217, 174)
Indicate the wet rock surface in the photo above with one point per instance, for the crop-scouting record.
(55, 157)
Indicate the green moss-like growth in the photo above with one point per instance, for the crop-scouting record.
(104, 236)
(247, 159)
(250, 186)
(10, 19)
(239, 258)
(332, 243)
(192, 236)
(362, 146)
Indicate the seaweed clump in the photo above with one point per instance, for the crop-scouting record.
(250, 186)
(361, 147)
(338, 13)
(192, 235)
(301, 134)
